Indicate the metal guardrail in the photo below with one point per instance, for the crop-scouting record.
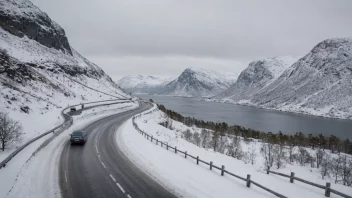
(210, 164)
(62, 127)
(327, 187)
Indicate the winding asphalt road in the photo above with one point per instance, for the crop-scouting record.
(100, 169)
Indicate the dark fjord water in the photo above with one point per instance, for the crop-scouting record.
(255, 118)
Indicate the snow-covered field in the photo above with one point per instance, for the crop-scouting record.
(37, 176)
(187, 179)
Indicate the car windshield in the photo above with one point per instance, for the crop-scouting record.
(77, 133)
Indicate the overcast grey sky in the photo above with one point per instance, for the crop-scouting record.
(163, 37)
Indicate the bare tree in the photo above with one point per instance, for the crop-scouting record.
(215, 140)
(302, 155)
(320, 154)
(291, 147)
(346, 170)
(267, 151)
(188, 135)
(252, 153)
(196, 138)
(279, 155)
(205, 137)
(325, 165)
(336, 167)
(234, 149)
(222, 144)
(10, 130)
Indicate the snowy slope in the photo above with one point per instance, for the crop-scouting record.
(187, 179)
(318, 84)
(38, 76)
(143, 83)
(196, 82)
(255, 77)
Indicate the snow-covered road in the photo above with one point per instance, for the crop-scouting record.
(98, 169)
(38, 176)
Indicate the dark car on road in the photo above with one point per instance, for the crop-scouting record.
(78, 137)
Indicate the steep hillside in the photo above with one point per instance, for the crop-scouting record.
(255, 77)
(39, 72)
(195, 82)
(143, 84)
(319, 83)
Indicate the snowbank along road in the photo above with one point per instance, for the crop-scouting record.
(99, 169)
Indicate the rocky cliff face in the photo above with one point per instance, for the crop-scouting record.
(319, 83)
(22, 18)
(199, 83)
(255, 77)
(39, 73)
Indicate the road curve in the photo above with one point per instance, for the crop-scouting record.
(100, 169)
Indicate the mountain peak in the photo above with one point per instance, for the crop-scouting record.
(198, 82)
(255, 77)
(22, 18)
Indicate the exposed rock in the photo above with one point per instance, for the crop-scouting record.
(22, 18)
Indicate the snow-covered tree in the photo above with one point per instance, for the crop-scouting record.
(234, 149)
(196, 138)
(302, 155)
(279, 155)
(205, 137)
(336, 167)
(346, 170)
(320, 154)
(325, 165)
(188, 135)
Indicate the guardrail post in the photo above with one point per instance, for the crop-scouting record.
(197, 159)
(267, 170)
(175, 149)
(292, 177)
(185, 154)
(147, 137)
(151, 139)
(167, 146)
(327, 189)
(211, 165)
(157, 141)
(161, 143)
(248, 183)
(222, 170)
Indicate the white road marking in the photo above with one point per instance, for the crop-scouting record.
(112, 178)
(103, 164)
(99, 156)
(66, 176)
(121, 188)
(96, 148)
(129, 196)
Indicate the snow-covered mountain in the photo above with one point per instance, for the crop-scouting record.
(39, 71)
(255, 77)
(319, 83)
(143, 83)
(195, 82)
